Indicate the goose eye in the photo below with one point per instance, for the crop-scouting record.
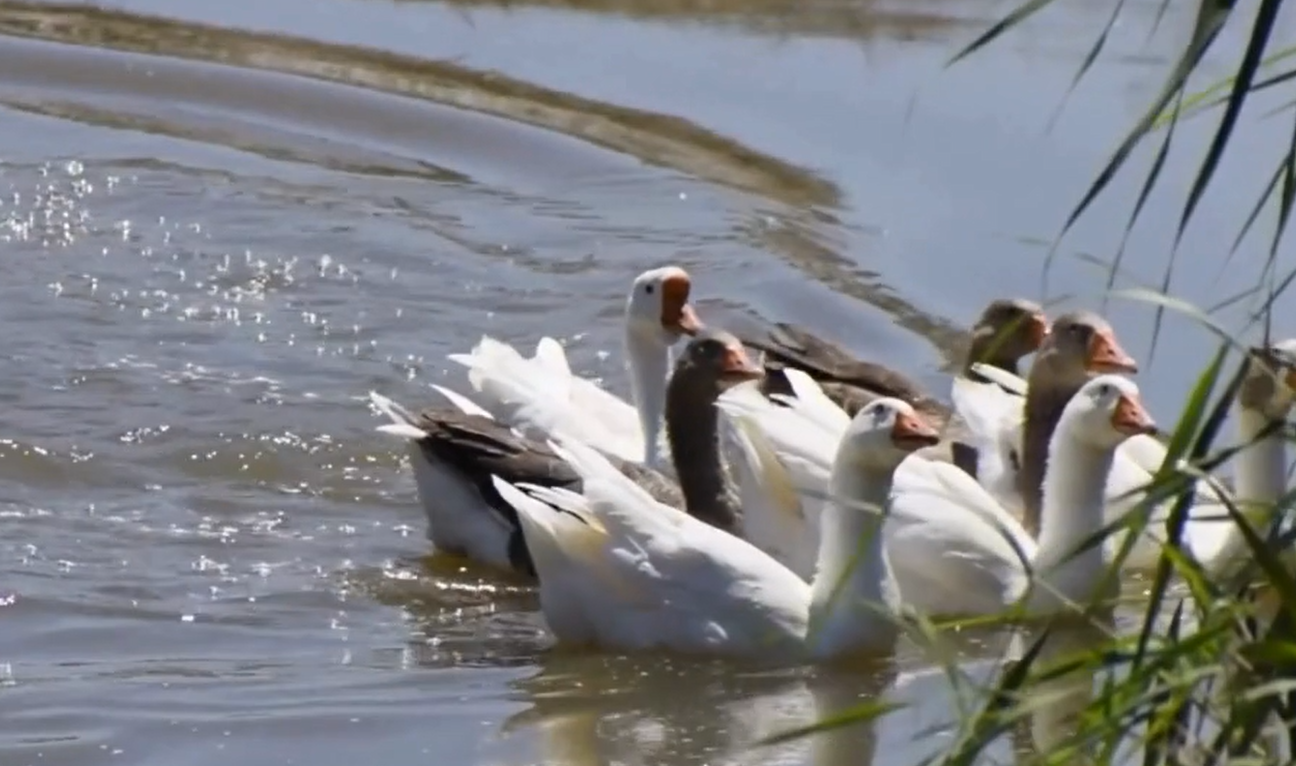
(648, 289)
(1105, 390)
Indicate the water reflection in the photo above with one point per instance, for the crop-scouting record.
(853, 744)
(458, 613)
(593, 708)
(1067, 663)
(660, 710)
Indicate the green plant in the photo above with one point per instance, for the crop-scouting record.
(1208, 675)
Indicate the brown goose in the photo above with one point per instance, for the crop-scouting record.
(1080, 346)
(1006, 331)
(454, 453)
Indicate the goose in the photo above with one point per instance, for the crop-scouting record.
(1005, 332)
(455, 451)
(542, 393)
(620, 571)
(846, 379)
(1264, 400)
(953, 549)
(957, 551)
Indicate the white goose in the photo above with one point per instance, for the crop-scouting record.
(620, 571)
(541, 393)
(952, 547)
(1260, 468)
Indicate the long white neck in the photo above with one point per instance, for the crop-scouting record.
(1072, 513)
(1261, 467)
(853, 588)
(648, 361)
(1259, 481)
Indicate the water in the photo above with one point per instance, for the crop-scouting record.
(207, 551)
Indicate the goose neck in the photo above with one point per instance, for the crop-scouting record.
(648, 360)
(692, 430)
(1073, 512)
(853, 587)
(1043, 410)
(1262, 464)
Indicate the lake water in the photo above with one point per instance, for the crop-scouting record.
(224, 223)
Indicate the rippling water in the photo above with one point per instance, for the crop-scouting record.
(219, 238)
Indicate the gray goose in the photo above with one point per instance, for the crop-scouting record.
(1007, 330)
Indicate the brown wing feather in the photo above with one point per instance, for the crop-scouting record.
(825, 361)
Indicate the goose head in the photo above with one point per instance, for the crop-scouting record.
(883, 433)
(1079, 345)
(1106, 411)
(658, 307)
(712, 362)
(1269, 383)
(1007, 330)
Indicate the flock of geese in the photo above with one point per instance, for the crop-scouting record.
(792, 506)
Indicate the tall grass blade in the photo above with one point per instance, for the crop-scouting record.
(1087, 62)
(1274, 293)
(989, 721)
(1161, 300)
(1210, 20)
(1172, 558)
(1149, 183)
(1275, 573)
(1245, 75)
(1193, 104)
(1254, 214)
(859, 714)
(1268, 82)
(1017, 16)
(1286, 200)
(1157, 19)
(1260, 32)
(1163, 740)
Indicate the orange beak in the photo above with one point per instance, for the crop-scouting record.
(738, 367)
(1131, 419)
(911, 432)
(677, 315)
(1039, 329)
(1106, 355)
